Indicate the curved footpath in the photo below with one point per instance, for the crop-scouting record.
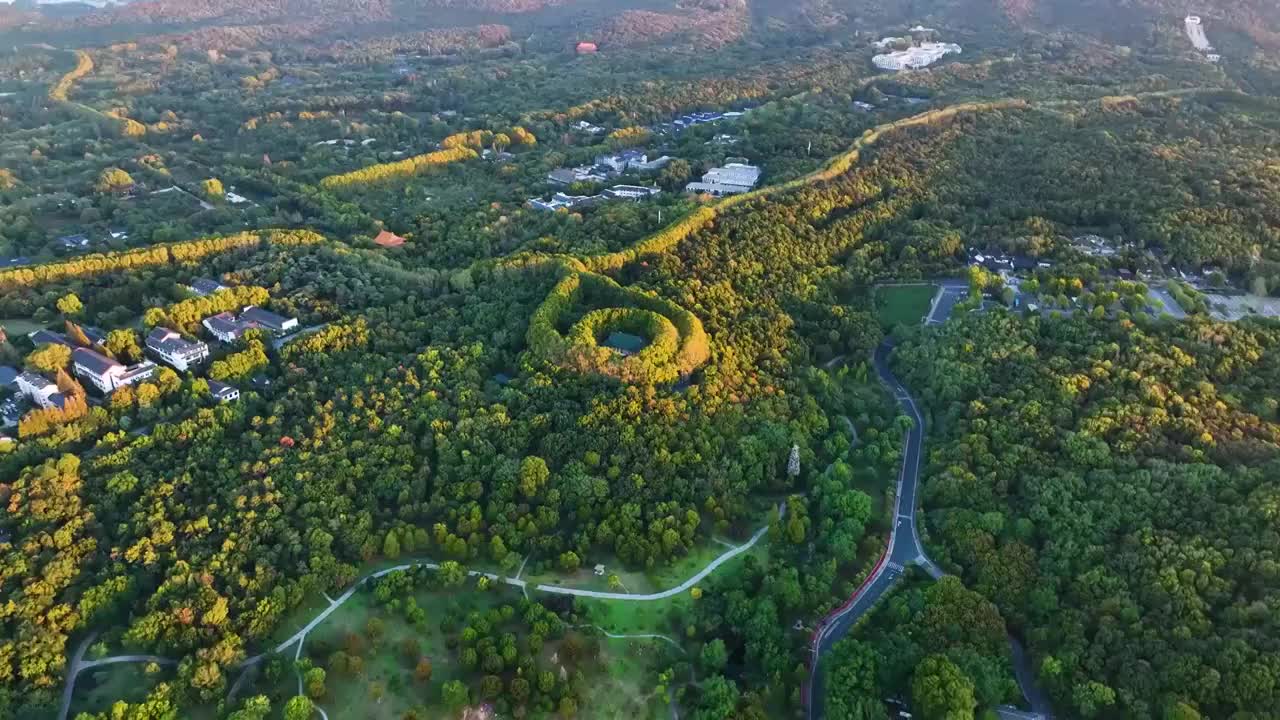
(78, 665)
(904, 547)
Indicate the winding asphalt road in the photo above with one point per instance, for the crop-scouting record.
(904, 548)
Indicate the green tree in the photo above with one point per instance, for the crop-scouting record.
(455, 695)
(314, 681)
(940, 691)
(451, 573)
(533, 475)
(299, 707)
(714, 656)
(391, 546)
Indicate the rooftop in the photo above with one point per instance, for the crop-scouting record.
(388, 239)
(267, 318)
(93, 362)
(205, 286)
(48, 337)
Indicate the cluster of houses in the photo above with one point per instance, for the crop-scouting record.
(81, 242)
(732, 179)
(603, 169)
(914, 57)
(162, 345)
(229, 327)
(563, 201)
(684, 122)
(608, 166)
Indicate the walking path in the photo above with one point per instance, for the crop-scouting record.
(77, 664)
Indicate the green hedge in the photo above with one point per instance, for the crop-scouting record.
(678, 344)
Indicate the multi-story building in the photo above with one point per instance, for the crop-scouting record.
(228, 328)
(224, 327)
(630, 192)
(915, 57)
(623, 161)
(174, 351)
(223, 392)
(106, 374)
(732, 179)
(40, 390)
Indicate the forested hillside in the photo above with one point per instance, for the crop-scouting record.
(1111, 487)
(400, 359)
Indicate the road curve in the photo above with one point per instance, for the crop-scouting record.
(904, 547)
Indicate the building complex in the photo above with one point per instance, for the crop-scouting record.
(731, 179)
(915, 57)
(229, 328)
(106, 374)
(174, 351)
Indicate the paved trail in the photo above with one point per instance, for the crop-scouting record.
(78, 665)
(298, 638)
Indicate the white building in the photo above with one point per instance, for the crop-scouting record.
(223, 392)
(732, 179)
(39, 390)
(205, 286)
(630, 192)
(106, 374)
(648, 165)
(224, 327)
(562, 201)
(174, 351)
(623, 161)
(228, 328)
(916, 57)
(1195, 31)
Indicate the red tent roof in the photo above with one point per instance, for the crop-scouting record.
(389, 239)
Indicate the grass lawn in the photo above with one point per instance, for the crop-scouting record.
(19, 326)
(903, 305)
(98, 688)
(664, 616)
(627, 688)
(385, 662)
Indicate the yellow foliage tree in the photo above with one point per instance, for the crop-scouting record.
(396, 170)
(212, 189)
(113, 180)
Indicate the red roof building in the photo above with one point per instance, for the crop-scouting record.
(389, 239)
(587, 48)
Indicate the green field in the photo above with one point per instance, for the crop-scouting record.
(19, 326)
(903, 304)
(385, 662)
(97, 689)
(628, 687)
